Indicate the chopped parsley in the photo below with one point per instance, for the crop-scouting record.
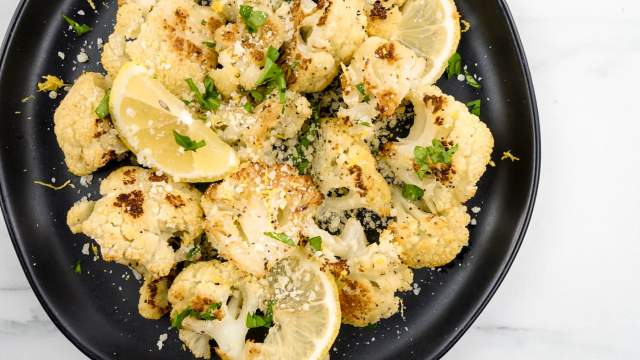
(248, 107)
(192, 252)
(363, 92)
(77, 267)
(412, 192)
(437, 153)
(282, 237)
(103, 108)
(316, 243)
(210, 100)
(454, 68)
(255, 320)
(80, 29)
(474, 107)
(308, 134)
(272, 74)
(208, 314)
(253, 19)
(209, 44)
(187, 143)
(471, 81)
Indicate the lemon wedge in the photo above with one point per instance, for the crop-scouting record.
(431, 28)
(306, 313)
(157, 126)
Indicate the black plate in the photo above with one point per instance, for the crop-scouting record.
(101, 320)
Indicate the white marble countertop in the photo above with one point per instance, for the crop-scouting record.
(574, 290)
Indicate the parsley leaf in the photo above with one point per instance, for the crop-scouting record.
(426, 157)
(80, 29)
(210, 100)
(363, 92)
(254, 320)
(254, 19)
(309, 133)
(455, 66)
(316, 243)
(272, 73)
(474, 107)
(192, 252)
(412, 192)
(471, 80)
(248, 107)
(208, 314)
(77, 267)
(209, 44)
(282, 237)
(187, 143)
(103, 108)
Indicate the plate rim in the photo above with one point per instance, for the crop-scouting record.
(532, 194)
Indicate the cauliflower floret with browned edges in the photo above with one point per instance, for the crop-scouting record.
(242, 53)
(343, 163)
(426, 239)
(368, 281)
(140, 216)
(172, 40)
(129, 18)
(383, 17)
(254, 133)
(378, 79)
(88, 142)
(445, 128)
(153, 303)
(211, 300)
(256, 216)
(327, 33)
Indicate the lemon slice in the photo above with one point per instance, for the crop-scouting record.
(147, 117)
(431, 28)
(306, 313)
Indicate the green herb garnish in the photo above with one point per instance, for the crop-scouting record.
(412, 192)
(282, 237)
(471, 81)
(254, 19)
(103, 108)
(308, 134)
(208, 314)
(316, 243)
(77, 267)
(192, 252)
(187, 143)
(210, 100)
(437, 153)
(255, 320)
(455, 66)
(474, 107)
(363, 92)
(248, 107)
(272, 73)
(80, 29)
(209, 44)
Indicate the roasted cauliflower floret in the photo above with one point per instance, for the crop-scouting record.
(154, 303)
(140, 216)
(88, 142)
(425, 239)
(378, 79)
(383, 17)
(172, 42)
(256, 132)
(343, 163)
(129, 19)
(321, 41)
(368, 282)
(455, 148)
(249, 211)
(242, 53)
(211, 300)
